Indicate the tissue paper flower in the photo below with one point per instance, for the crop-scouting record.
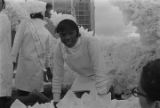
(145, 15)
(57, 17)
(16, 13)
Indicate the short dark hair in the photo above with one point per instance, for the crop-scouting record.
(67, 25)
(48, 5)
(36, 15)
(150, 80)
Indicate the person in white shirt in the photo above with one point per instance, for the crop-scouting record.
(82, 54)
(6, 68)
(32, 44)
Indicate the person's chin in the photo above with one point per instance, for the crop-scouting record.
(69, 45)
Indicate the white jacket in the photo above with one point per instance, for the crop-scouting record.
(6, 68)
(31, 42)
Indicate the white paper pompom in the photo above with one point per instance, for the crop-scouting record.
(34, 6)
(56, 18)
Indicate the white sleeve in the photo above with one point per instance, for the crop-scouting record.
(18, 41)
(50, 49)
(1, 28)
(58, 73)
(47, 51)
(103, 78)
(5, 28)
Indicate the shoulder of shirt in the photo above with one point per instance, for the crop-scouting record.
(88, 39)
(85, 37)
(59, 44)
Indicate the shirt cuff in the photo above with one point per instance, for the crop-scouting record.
(56, 97)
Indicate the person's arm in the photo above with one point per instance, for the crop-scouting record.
(49, 56)
(47, 51)
(58, 74)
(18, 41)
(50, 27)
(2, 29)
(47, 73)
(103, 78)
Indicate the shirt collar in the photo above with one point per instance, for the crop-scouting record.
(73, 49)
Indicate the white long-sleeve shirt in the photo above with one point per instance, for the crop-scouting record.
(86, 59)
(6, 68)
(31, 42)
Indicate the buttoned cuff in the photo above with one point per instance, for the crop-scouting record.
(56, 97)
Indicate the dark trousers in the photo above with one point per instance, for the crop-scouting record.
(25, 97)
(29, 98)
(5, 102)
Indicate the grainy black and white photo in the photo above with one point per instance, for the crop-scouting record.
(79, 53)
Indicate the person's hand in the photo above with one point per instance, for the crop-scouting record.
(55, 104)
(126, 94)
(104, 94)
(49, 73)
(45, 77)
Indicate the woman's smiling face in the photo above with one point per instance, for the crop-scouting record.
(69, 38)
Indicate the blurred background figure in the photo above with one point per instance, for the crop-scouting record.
(49, 7)
(6, 68)
(32, 44)
(149, 89)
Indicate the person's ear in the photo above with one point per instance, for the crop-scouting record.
(156, 104)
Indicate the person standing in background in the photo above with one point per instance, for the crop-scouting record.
(47, 18)
(32, 44)
(49, 7)
(6, 67)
